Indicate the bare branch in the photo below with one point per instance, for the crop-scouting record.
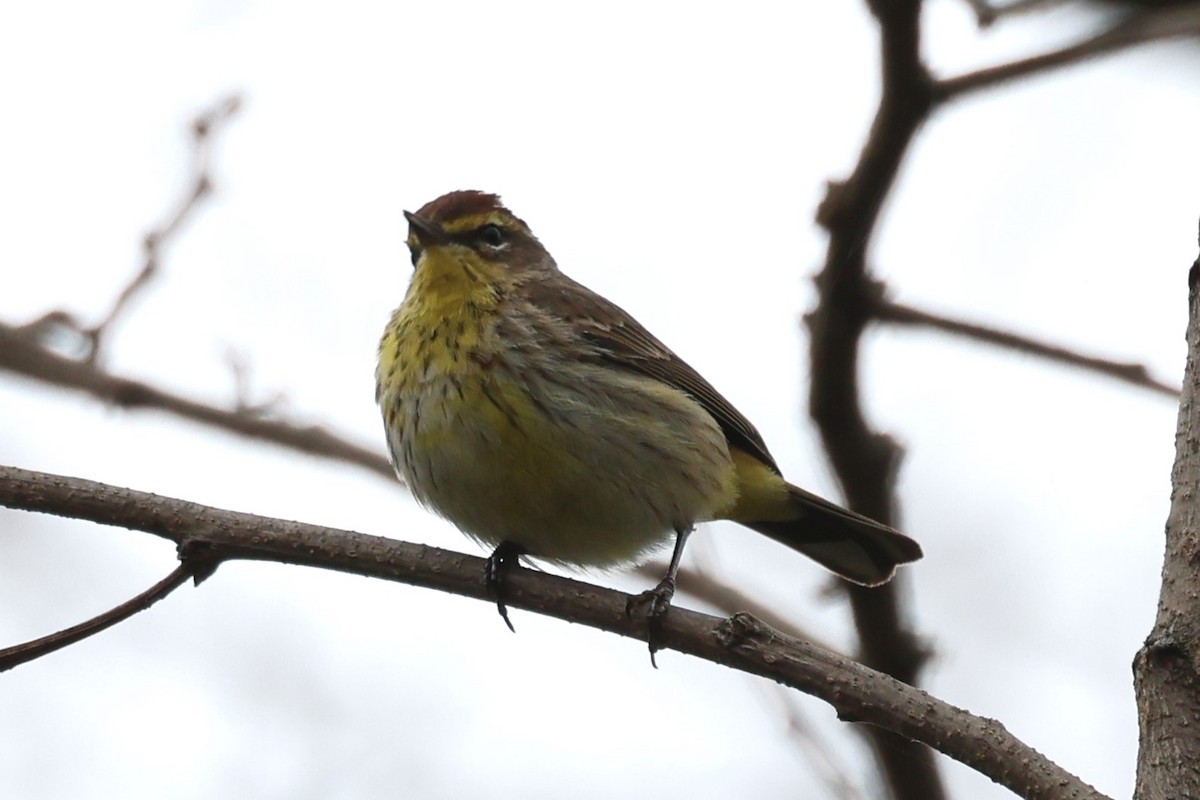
(864, 460)
(828, 767)
(242, 403)
(199, 187)
(19, 654)
(1136, 374)
(23, 349)
(21, 353)
(987, 14)
(1129, 31)
(857, 693)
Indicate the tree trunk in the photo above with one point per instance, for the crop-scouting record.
(1167, 668)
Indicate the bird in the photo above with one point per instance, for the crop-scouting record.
(545, 422)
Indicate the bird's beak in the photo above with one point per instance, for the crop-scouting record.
(425, 232)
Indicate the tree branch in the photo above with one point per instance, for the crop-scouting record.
(825, 763)
(21, 353)
(199, 187)
(703, 585)
(19, 654)
(1129, 31)
(24, 352)
(864, 461)
(857, 693)
(1136, 374)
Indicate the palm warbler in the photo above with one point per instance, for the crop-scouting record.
(543, 420)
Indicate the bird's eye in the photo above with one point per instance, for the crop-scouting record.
(492, 235)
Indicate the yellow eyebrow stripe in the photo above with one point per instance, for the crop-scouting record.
(473, 221)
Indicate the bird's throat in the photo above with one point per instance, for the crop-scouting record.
(447, 283)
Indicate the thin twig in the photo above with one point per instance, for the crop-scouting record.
(24, 349)
(1133, 373)
(21, 353)
(742, 642)
(1129, 31)
(825, 763)
(239, 367)
(28, 651)
(199, 186)
(987, 14)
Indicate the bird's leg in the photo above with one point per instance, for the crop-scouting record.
(503, 558)
(659, 598)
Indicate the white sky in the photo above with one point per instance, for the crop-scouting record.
(671, 156)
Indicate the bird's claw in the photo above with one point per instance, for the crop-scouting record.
(657, 602)
(498, 563)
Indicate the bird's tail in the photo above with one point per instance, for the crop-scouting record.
(855, 547)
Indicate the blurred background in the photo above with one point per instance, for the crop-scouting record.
(671, 156)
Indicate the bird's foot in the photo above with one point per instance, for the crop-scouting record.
(657, 602)
(502, 559)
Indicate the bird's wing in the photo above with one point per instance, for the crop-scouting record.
(623, 342)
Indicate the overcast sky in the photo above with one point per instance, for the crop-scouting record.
(670, 156)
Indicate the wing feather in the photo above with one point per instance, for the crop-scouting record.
(623, 342)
